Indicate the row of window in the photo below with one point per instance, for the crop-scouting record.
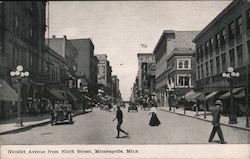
(217, 43)
(235, 59)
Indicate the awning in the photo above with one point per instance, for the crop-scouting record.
(241, 94)
(211, 95)
(227, 95)
(6, 92)
(72, 96)
(87, 97)
(57, 94)
(191, 95)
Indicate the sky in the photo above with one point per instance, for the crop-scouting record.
(118, 28)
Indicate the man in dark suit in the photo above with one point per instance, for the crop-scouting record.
(119, 117)
(216, 122)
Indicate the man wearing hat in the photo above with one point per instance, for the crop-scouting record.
(216, 122)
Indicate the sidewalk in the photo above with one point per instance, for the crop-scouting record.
(8, 126)
(224, 119)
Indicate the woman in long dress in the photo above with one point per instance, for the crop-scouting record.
(154, 121)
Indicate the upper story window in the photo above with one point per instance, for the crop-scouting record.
(183, 64)
(231, 30)
(211, 67)
(240, 56)
(239, 26)
(201, 53)
(218, 64)
(197, 55)
(206, 49)
(223, 37)
(207, 69)
(211, 43)
(248, 18)
(183, 80)
(223, 61)
(232, 58)
(217, 42)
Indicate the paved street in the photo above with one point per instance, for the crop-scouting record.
(97, 128)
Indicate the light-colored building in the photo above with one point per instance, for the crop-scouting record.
(174, 55)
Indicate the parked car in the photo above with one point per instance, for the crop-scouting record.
(61, 114)
(132, 106)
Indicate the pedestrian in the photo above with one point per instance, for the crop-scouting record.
(216, 122)
(119, 117)
(154, 121)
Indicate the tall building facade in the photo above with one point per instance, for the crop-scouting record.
(175, 61)
(87, 63)
(104, 75)
(22, 34)
(69, 52)
(223, 43)
(146, 73)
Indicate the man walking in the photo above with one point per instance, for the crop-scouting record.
(216, 122)
(119, 117)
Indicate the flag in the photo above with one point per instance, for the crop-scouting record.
(144, 45)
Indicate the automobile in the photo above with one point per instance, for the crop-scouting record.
(132, 106)
(61, 114)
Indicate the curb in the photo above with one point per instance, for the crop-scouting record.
(233, 126)
(35, 125)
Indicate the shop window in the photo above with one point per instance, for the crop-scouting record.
(232, 58)
(239, 26)
(240, 56)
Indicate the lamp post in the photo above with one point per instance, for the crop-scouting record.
(230, 75)
(18, 75)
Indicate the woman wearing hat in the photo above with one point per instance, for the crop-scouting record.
(154, 121)
(216, 122)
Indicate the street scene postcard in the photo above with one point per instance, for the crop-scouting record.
(124, 79)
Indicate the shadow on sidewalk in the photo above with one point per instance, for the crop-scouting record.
(26, 118)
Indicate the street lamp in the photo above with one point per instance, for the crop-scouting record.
(230, 75)
(19, 75)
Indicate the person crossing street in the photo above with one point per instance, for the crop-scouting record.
(119, 117)
(216, 122)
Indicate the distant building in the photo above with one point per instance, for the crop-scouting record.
(146, 73)
(223, 43)
(175, 61)
(87, 63)
(104, 76)
(67, 50)
(115, 87)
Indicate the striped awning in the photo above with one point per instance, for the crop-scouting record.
(227, 95)
(6, 92)
(211, 95)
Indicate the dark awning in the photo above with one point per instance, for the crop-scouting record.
(227, 95)
(6, 92)
(241, 94)
(211, 95)
(57, 94)
(72, 96)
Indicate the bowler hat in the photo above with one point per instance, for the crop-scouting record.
(218, 102)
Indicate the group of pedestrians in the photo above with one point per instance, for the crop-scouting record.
(154, 121)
